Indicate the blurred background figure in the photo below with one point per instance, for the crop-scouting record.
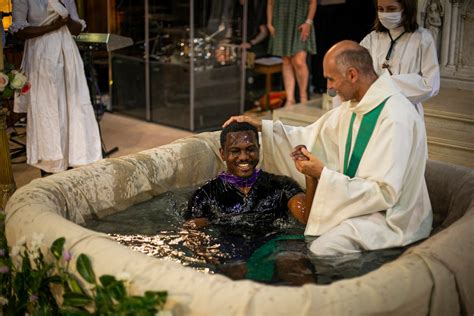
(257, 32)
(290, 24)
(62, 131)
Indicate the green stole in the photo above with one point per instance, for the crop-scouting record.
(363, 136)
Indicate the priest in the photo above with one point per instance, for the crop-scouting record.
(368, 157)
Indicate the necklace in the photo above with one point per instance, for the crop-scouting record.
(389, 53)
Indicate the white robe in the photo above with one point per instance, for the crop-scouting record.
(413, 62)
(386, 204)
(61, 128)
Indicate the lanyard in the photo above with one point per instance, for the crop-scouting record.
(390, 49)
(366, 129)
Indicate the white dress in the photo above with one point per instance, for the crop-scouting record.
(61, 129)
(386, 204)
(413, 62)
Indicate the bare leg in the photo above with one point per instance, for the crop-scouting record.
(288, 80)
(302, 74)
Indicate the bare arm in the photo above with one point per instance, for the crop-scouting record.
(270, 27)
(312, 9)
(300, 204)
(36, 31)
(74, 27)
(305, 28)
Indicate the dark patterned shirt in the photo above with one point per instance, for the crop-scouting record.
(223, 203)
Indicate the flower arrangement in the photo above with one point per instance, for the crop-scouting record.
(12, 81)
(37, 284)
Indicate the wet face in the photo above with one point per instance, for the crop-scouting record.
(241, 153)
(389, 6)
(337, 80)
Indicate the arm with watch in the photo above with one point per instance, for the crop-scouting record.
(305, 28)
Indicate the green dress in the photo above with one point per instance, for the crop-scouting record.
(287, 16)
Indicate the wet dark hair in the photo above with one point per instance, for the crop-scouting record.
(237, 127)
(357, 57)
(410, 11)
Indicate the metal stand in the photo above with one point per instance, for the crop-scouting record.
(96, 97)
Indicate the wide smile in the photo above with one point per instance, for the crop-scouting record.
(245, 166)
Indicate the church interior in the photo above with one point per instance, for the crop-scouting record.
(164, 75)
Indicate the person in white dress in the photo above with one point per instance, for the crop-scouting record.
(404, 50)
(62, 131)
(368, 157)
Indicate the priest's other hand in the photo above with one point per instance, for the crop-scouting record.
(309, 165)
(244, 118)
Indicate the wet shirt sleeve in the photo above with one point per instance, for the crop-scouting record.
(289, 187)
(199, 204)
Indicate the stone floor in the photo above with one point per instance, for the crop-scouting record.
(131, 135)
(128, 134)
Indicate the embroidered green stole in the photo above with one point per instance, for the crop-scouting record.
(363, 136)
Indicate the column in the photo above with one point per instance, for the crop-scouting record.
(453, 37)
(445, 39)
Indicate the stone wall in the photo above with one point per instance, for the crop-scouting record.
(452, 25)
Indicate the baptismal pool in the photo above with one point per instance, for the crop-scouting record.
(275, 255)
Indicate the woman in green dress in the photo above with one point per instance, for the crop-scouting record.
(290, 24)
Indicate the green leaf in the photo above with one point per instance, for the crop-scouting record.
(117, 290)
(103, 301)
(53, 279)
(74, 285)
(57, 247)
(84, 267)
(76, 299)
(106, 280)
(69, 311)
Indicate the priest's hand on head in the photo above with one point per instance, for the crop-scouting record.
(244, 118)
(306, 162)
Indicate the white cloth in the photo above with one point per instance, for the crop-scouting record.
(386, 204)
(34, 13)
(61, 127)
(413, 62)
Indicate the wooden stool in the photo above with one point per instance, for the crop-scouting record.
(268, 69)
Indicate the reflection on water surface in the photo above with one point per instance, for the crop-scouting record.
(275, 255)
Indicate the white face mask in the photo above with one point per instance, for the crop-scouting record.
(390, 20)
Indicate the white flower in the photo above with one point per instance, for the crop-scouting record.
(3, 300)
(18, 81)
(3, 81)
(123, 276)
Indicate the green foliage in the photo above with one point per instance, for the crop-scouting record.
(26, 284)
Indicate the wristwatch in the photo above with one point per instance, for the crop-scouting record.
(309, 21)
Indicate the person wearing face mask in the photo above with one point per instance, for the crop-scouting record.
(368, 156)
(404, 50)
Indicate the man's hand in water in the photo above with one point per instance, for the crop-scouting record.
(306, 162)
(244, 118)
